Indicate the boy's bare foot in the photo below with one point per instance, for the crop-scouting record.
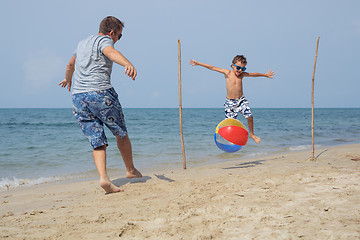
(133, 174)
(255, 138)
(109, 187)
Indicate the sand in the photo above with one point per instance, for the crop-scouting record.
(283, 196)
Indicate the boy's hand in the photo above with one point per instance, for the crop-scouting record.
(193, 62)
(65, 83)
(269, 74)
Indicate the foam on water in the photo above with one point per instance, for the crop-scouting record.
(6, 183)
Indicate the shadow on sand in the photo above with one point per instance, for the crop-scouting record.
(246, 164)
(122, 181)
(162, 177)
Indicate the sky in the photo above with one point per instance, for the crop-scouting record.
(39, 36)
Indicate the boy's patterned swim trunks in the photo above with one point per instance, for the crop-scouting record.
(93, 110)
(234, 106)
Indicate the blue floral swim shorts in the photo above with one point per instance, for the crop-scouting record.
(93, 110)
(234, 106)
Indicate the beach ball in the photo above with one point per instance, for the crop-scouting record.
(231, 135)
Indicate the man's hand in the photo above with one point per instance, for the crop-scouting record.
(65, 83)
(130, 71)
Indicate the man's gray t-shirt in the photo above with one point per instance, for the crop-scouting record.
(92, 67)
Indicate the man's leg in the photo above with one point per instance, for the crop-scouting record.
(99, 155)
(125, 149)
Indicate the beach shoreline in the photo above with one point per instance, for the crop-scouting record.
(278, 196)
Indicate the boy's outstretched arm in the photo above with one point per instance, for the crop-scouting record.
(210, 67)
(269, 74)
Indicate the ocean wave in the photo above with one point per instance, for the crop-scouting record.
(303, 147)
(300, 148)
(7, 183)
(342, 140)
(256, 154)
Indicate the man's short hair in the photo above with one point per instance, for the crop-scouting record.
(110, 23)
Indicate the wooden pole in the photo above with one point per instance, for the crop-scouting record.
(312, 103)
(180, 108)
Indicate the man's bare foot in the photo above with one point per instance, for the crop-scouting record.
(109, 187)
(255, 138)
(133, 174)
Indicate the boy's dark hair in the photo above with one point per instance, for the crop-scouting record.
(239, 58)
(110, 23)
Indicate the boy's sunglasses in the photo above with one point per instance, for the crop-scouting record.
(239, 68)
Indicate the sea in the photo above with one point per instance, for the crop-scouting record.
(47, 145)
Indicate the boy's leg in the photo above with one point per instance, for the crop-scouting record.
(246, 112)
(231, 110)
(251, 129)
(125, 149)
(99, 155)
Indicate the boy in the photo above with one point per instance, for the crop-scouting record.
(235, 99)
(95, 101)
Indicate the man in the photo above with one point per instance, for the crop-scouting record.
(95, 101)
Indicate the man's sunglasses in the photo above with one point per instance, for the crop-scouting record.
(239, 68)
(120, 36)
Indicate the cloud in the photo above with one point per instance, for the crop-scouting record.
(42, 69)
